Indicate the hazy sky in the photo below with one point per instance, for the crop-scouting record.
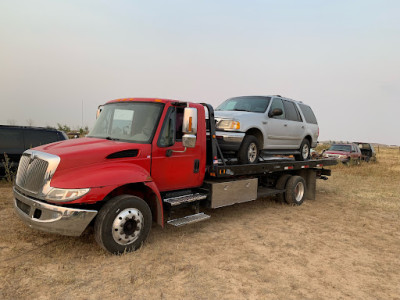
(340, 57)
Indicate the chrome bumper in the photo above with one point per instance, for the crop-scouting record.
(52, 218)
(230, 140)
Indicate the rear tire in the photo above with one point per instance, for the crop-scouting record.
(295, 190)
(281, 184)
(304, 151)
(249, 150)
(123, 224)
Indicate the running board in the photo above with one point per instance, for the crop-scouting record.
(189, 219)
(185, 199)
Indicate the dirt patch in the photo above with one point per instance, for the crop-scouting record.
(344, 244)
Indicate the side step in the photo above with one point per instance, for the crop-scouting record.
(185, 199)
(189, 219)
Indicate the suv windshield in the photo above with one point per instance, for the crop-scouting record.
(257, 104)
(132, 121)
(345, 148)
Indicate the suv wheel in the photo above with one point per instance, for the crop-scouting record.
(248, 152)
(304, 151)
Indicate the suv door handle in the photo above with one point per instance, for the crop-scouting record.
(285, 125)
(302, 127)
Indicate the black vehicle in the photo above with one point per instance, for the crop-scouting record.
(367, 151)
(14, 140)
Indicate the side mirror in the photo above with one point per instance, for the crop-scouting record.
(189, 140)
(189, 125)
(99, 109)
(275, 112)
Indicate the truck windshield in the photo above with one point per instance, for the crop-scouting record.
(131, 121)
(257, 104)
(345, 148)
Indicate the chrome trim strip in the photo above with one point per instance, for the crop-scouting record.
(231, 137)
(52, 218)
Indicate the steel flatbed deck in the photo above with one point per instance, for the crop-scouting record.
(270, 166)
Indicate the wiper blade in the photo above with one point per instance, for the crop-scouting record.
(111, 139)
(238, 109)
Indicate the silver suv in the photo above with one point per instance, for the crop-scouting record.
(272, 124)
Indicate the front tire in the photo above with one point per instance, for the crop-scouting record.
(304, 151)
(249, 150)
(123, 224)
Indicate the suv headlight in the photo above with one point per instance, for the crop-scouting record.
(228, 124)
(65, 195)
(342, 156)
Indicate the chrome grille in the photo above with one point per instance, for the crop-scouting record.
(31, 173)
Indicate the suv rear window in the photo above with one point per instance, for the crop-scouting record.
(308, 114)
(34, 138)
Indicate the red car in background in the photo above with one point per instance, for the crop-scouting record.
(344, 152)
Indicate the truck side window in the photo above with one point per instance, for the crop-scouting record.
(277, 103)
(167, 136)
(179, 123)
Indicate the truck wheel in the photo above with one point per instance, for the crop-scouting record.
(248, 152)
(281, 184)
(295, 190)
(304, 151)
(122, 224)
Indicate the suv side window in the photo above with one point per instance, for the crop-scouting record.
(291, 111)
(308, 114)
(34, 138)
(277, 103)
(12, 140)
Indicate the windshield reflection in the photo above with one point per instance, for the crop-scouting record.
(132, 121)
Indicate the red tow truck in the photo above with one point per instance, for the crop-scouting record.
(144, 161)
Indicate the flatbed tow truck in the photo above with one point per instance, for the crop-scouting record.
(147, 160)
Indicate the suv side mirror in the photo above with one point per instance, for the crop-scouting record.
(275, 112)
(189, 127)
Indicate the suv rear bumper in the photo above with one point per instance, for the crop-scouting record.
(229, 141)
(52, 218)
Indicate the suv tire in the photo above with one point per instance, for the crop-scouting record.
(304, 151)
(249, 150)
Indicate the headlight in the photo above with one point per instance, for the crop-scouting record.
(228, 124)
(64, 195)
(342, 156)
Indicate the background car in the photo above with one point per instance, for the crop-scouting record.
(274, 124)
(14, 140)
(367, 151)
(344, 152)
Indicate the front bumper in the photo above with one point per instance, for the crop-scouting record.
(229, 141)
(52, 218)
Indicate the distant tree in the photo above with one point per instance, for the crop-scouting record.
(64, 127)
(29, 122)
(11, 122)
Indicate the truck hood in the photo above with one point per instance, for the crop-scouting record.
(86, 151)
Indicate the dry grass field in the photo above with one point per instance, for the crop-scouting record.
(343, 245)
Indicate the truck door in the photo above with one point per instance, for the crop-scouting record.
(173, 167)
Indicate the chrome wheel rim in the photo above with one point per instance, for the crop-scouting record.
(127, 226)
(305, 151)
(252, 152)
(299, 191)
